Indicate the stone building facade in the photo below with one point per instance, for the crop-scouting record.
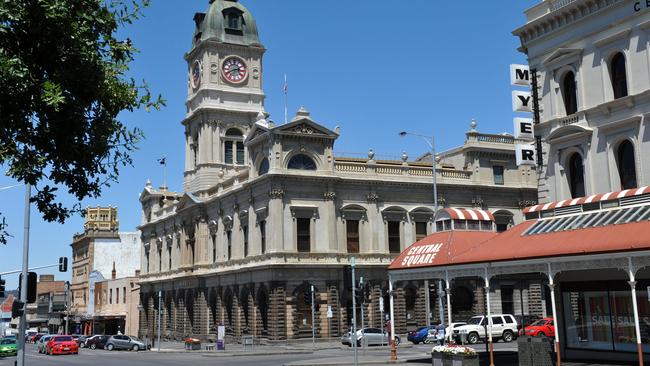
(269, 210)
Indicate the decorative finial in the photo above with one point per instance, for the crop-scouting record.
(371, 154)
(337, 130)
(473, 124)
(438, 158)
(302, 112)
(220, 173)
(405, 156)
(260, 116)
(148, 183)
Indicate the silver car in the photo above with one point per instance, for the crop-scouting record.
(124, 342)
(42, 343)
(369, 337)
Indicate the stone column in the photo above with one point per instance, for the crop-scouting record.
(400, 311)
(277, 319)
(377, 240)
(331, 237)
(202, 242)
(275, 223)
(201, 311)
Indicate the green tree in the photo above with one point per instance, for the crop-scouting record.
(63, 84)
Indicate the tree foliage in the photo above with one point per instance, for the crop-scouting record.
(63, 84)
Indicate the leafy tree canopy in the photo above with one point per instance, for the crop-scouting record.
(63, 83)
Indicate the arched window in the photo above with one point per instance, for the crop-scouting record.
(569, 93)
(234, 146)
(234, 21)
(264, 167)
(619, 77)
(576, 176)
(301, 162)
(626, 165)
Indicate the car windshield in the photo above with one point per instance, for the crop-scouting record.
(135, 339)
(63, 339)
(538, 323)
(7, 341)
(475, 320)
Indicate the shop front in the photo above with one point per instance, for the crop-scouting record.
(595, 256)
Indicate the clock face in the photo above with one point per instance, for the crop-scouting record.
(234, 70)
(196, 74)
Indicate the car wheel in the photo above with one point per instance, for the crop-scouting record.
(416, 342)
(472, 338)
(109, 347)
(540, 335)
(426, 341)
(93, 346)
(136, 348)
(508, 336)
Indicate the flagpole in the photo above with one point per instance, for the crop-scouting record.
(286, 114)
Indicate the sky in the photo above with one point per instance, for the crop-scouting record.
(368, 66)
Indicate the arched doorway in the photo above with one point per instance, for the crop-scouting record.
(263, 306)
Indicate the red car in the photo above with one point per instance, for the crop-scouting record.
(541, 328)
(61, 345)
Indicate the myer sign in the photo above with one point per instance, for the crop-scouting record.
(522, 101)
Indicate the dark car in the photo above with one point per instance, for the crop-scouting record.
(96, 341)
(420, 335)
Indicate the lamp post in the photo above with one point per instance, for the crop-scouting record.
(431, 141)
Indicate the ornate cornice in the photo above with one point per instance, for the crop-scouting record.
(276, 193)
(329, 196)
(372, 197)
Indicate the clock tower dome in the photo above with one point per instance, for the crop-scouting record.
(224, 93)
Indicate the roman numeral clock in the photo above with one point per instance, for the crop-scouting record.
(234, 70)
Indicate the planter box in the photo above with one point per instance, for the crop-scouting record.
(443, 359)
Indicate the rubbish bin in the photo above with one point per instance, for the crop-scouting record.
(247, 341)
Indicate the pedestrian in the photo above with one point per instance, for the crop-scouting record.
(440, 334)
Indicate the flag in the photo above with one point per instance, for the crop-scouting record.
(285, 84)
(163, 160)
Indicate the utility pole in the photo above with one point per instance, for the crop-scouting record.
(363, 297)
(381, 312)
(159, 312)
(23, 285)
(427, 302)
(67, 307)
(353, 338)
(313, 324)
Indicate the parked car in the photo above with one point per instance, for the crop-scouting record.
(7, 347)
(117, 342)
(96, 341)
(421, 335)
(36, 337)
(541, 328)
(61, 345)
(80, 340)
(368, 336)
(42, 342)
(526, 320)
(504, 326)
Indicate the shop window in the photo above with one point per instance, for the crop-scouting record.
(263, 235)
(507, 301)
(352, 232)
(394, 237)
(497, 173)
(473, 225)
(576, 176)
(420, 230)
(569, 93)
(462, 298)
(303, 234)
(626, 165)
(619, 76)
(301, 162)
(460, 225)
(264, 167)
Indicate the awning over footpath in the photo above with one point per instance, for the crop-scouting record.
(439, 249)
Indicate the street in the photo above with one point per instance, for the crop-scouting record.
(331, 353)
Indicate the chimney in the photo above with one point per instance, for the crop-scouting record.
(113, 272)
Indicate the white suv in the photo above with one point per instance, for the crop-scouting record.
(504, 326)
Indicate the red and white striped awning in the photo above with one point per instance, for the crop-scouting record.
(469, 214)
(591, 199)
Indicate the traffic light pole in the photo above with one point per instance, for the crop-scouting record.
(363, 297)
(313, 325)
(20, 361)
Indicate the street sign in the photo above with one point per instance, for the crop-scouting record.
(329, 311)
(520, 75)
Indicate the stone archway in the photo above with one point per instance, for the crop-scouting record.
(229, 318)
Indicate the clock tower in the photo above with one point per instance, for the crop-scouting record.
(224, 95)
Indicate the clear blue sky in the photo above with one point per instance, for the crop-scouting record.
(369, 66)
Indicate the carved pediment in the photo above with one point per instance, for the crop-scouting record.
(562, 54)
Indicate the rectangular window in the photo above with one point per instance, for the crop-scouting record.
(214, 247)
(263, 236)
(124, 295)
(160, 260)
(352, 229)
(169, 252)
(229, 239)
(420, 230)
(110, 298)
(507, 300)
(228, 156)
(394, 238)
(245, 233)
(497, 171)
(240, 152)
(303, 234)
(117, 295)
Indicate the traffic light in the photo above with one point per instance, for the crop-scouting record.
(63, 264)
(307, 296)
(17, 308)
(361, 293)
(2, 288)
(31, 286)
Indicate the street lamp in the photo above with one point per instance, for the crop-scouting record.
(431, 141)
